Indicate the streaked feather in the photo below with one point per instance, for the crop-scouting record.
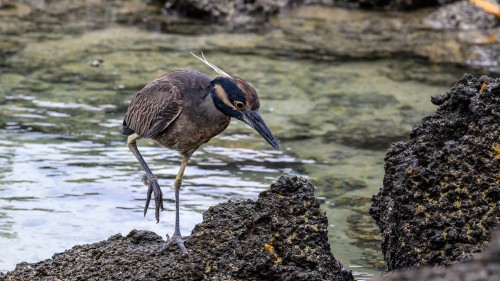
(154, 108)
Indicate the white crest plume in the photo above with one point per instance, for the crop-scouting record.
(218, 70)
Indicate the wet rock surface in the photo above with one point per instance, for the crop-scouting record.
(238, 12)
(281, 236)
(283, 27)
(259, 11)
(484, 267)
(462, 15)
(439, 202)
(397, 5)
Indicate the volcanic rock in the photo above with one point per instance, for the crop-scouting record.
(484, 267)
(441, 193)
(281, 236)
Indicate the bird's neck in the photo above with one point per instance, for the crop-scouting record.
(211, 106)
(217, 101)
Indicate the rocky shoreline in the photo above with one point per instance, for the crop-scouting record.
(439, 206)
(281, 236)
(281, 27)
(440, 199)
(439, 203)
(484, 267)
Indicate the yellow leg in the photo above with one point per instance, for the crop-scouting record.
(180, 174)
(132, 138)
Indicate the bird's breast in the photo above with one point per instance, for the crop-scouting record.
(189, 131)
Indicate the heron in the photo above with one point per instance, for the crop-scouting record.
(181, 110)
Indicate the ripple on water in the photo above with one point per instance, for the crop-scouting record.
(57, 187)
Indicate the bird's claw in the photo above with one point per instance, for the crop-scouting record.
(153, 188)
(176, 239)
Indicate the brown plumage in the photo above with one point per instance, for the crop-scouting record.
(176, 111)
(181, 110)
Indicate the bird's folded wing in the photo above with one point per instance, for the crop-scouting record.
(153, 109)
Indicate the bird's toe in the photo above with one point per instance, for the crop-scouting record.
(154, 188)
(179, 241)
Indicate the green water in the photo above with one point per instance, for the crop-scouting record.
(67, 177)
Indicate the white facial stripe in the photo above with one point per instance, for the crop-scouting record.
(223, 96)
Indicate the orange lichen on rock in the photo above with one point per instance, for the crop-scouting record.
(491, 38)
(496, 149)
(270, 249)
(488, 6)
(483, 87)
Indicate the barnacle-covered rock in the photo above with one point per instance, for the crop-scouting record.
(281, 236)
(485, 266)
(441, 193)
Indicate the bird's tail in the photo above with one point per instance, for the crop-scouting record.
(126, 130)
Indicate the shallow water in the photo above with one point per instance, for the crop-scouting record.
(68, 178)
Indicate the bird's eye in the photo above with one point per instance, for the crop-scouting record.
(239, 105)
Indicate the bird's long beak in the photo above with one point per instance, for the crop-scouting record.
(254, 120)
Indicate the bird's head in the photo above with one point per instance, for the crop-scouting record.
(236, 98)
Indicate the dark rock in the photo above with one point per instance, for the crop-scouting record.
(239, 11)
(462, 15)
(485, 267)
(392, 4)
(441, 189)
(232, 11)
(281, 236)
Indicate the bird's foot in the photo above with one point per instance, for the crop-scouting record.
(153, 188)
(176, 239)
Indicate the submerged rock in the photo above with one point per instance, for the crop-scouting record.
(441, 193)
(284, 27)
(281, 236)
(485, 267)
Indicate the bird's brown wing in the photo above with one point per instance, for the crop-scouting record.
(154, 108)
